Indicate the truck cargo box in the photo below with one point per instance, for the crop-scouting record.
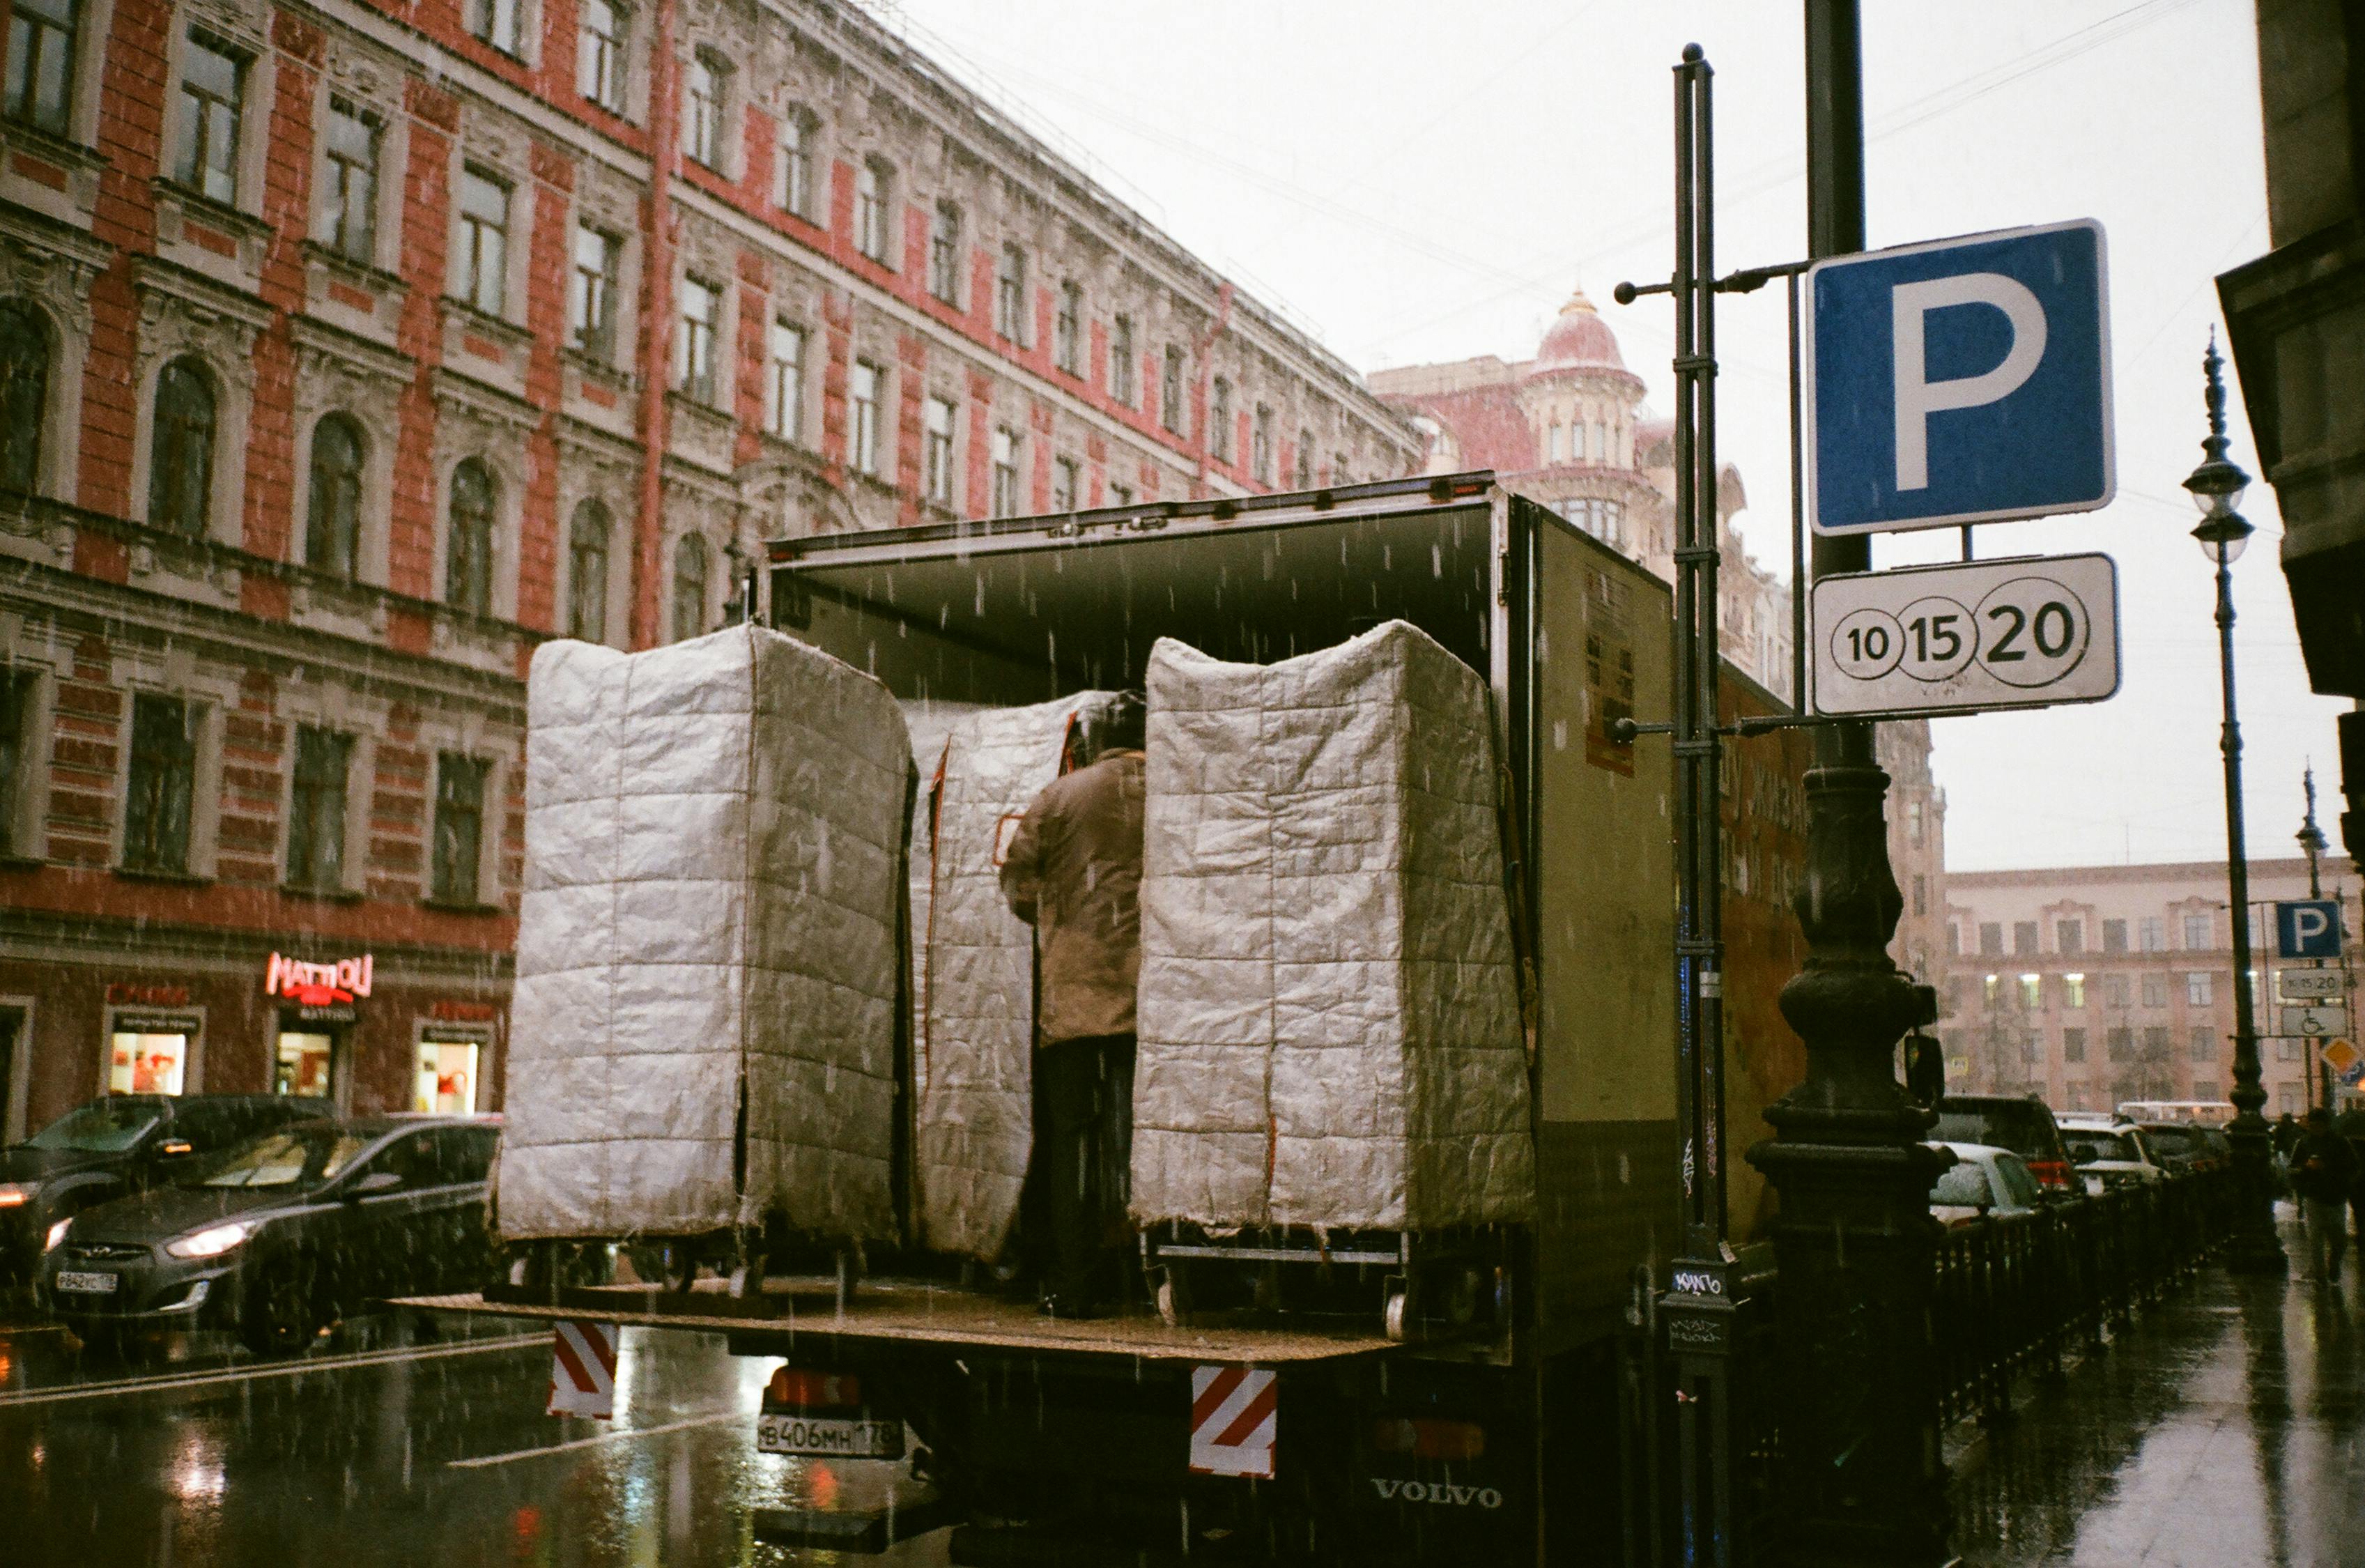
(704, 1031)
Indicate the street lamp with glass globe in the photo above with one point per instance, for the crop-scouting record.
(2217, 487)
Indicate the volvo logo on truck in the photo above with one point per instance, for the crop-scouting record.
(1443, 1492)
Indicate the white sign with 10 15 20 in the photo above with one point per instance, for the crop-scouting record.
(1968, 636)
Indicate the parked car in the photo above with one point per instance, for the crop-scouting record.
(279, 1237)
(117, 1146)
(2183, 1148)
(1983, 1181)
(2107, 1152)
(2022, 1124)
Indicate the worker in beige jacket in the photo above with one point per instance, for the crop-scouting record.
(1073, 871)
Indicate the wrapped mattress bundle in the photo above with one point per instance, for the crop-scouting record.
(715, 841)
(1329, 1025)
(973, 973)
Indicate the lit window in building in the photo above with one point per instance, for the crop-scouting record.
(703, 84)
(468, 561)
(690, 587)
(867, 383)
(181, 455)
(874, 202)
(945, 253)
(938, 451)
(213, 90)
(586, 573)
(591, 308)
(459, 828)
(316, 811)
(701, 322)
(1068, 328)
(2031, 991)
(2073, 990)
(599, 54)
(496, 22)
(1005, 472)
(333, 523)
(350, 197)
(41, 35)
(160, 795)
(788, 381)
(483, 240)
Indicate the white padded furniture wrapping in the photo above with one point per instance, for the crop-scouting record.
(714, 833)
(1329, 1026)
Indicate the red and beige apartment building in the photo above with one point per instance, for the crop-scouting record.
(347, 351)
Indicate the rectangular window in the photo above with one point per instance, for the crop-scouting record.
(1010, 294)
(2207, 1091)
(796, 182)
(1170, 391)
(2154, 991)
(1303, 477)
(1990, 938)
(1953, 940)
(1913, 823)
(937, 452)
(2199, 989)
(162, 793)
(17, 750)
(483, 240)
(1920, 894)
(944, 253)
(2031, 991)
(701, 109)
(1261, 452)
(2115, 991)
(788, 381)
(693, 355)
(867, 383)
(874, 200)
(2202, 1045)
(496, 22)
(1005, 471)
(316, 811)
(2114, 937)
(1992, 990)
(1068, 330)
(592, 305)
(2024, 939)
(2032, 1045)
(40, 63)
(351, 198)
(2152, 935)
(2120, 1042)
(1954, 993)
(1122, 366)
(213, 92)
(2155, 1043)
(459, 828)
(2070, 937)
(1219, 421)
(1065, 474)
(600, 54)
(2198, 938)
(2073, 991)
(2073, 1044)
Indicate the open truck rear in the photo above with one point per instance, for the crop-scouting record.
(1493, 1428)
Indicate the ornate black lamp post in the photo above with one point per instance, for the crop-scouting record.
(2217, 486)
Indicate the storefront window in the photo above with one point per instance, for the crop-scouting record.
(447, 1077)
(304, 1064)
(146, 1064)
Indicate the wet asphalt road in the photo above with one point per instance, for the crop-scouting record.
(372, 1448)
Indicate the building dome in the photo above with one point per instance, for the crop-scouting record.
(1579, 338)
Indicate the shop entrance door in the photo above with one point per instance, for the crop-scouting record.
(305, 1064)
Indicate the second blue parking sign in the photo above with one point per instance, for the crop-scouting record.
(1961, 381)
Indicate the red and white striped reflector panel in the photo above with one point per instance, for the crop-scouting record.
(1233, 1411)
(583, 1370)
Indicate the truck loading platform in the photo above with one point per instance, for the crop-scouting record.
(926, 1311)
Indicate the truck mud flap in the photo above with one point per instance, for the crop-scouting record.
(865, 1531)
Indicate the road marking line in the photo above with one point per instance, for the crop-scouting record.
(596, 1440)
(169, 1381)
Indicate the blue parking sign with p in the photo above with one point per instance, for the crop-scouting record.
(2308, 928)
(1962, 381)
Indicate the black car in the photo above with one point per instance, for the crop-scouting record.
(2022, 1124)
(283, 1235)
(121, 1145)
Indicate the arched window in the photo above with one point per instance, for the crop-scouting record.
(24, 397)
(468, 570)
(586, 574)
(688, 588)
(181, 458)
(333, 530)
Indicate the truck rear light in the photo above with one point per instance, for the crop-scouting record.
(1428, 1438)
(796, 1388)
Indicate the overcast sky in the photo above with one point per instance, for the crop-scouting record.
(1423, 181)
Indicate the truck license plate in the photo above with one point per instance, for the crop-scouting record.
(828, 1438)
(88, 1284)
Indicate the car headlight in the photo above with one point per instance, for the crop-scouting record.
(212, 1242)
(56, 1234)
(16, 1194)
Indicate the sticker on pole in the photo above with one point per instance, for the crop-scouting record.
(1233, 1411)
(1966, 637)
(583, 1370)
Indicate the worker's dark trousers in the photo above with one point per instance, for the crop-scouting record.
(1083, 1166)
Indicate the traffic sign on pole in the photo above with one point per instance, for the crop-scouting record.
(1963, 380)
(2309, 985)
(2314, 1023)
(2308, 928)
(1967, 636)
